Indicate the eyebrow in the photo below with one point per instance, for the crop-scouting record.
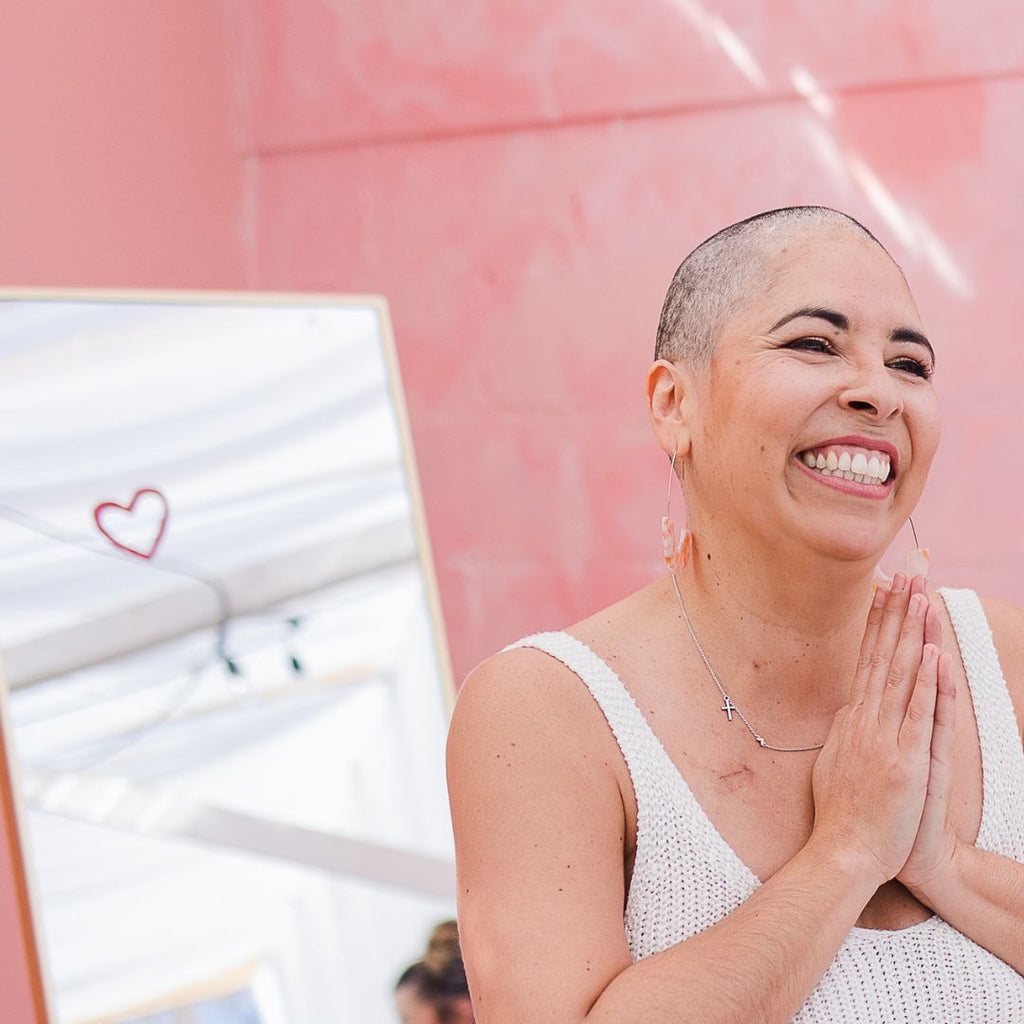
(838, 320)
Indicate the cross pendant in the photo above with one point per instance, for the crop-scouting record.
(728, 707)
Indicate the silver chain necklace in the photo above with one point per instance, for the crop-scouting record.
(728, 707)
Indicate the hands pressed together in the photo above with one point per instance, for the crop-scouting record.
(882, 781)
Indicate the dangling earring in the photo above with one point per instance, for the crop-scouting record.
(676, 550)
(918, 562)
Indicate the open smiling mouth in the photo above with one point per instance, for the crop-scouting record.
(848, 462)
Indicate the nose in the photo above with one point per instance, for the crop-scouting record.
(874, 393)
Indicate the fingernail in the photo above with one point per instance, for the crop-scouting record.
(879, 598)
(899, 583)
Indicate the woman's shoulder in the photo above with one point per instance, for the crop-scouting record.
(1005, 619)
(528, 743)
(528, 685)
(1007, 624)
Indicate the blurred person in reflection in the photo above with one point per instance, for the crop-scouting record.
(753, 790)
(434, 990)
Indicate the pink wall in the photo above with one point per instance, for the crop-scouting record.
(520, 180)
(123, 142)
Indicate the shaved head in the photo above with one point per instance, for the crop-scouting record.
(722, 272)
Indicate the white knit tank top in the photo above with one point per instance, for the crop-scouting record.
(686, 877)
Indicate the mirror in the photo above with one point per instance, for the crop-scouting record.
(228, 685)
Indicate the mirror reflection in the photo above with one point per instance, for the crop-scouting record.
(226, 674)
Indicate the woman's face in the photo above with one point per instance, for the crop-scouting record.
(827, 364)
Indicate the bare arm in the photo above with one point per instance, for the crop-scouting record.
(537, 806)
(982, 895)
(759, 963)
(978, 892)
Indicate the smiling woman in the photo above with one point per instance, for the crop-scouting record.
(762, 787)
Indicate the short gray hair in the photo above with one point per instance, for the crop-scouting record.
(713, 280)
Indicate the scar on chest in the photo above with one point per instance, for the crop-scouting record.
(736, 778)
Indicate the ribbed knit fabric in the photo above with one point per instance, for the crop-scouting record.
(686, 877)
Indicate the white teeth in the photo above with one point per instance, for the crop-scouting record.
(861, 468)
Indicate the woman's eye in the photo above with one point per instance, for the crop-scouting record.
(810, 345)
(913, 366)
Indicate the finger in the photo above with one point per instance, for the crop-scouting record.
(933, 625)
(905, 663)
(867, 645)
(888, 636)
(944, 731)
(943, 749)
(917, 728)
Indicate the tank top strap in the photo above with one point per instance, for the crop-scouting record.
(1002, 756)
(643, 753)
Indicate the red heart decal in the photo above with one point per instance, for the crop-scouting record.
(137, 530)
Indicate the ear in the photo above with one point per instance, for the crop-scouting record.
(671, 403)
